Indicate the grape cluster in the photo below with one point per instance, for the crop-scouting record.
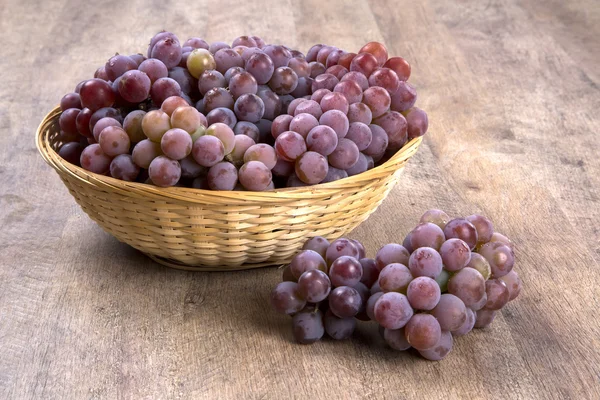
(448, 277)
(250, 116)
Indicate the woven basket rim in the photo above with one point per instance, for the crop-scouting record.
(200, 196)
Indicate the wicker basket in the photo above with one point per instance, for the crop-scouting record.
(207, 230)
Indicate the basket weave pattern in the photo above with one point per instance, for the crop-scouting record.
(218, 230)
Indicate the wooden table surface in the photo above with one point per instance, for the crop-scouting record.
(512, 92)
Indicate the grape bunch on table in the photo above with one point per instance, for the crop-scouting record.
(446, 278)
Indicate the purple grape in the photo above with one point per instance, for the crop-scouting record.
(483, 226)
(318, 244)
(441, 349)
(468, 285)
(311, 167)
(497, 294)
(345, 154)
(379, 142)
(164, 172)
(467, 326)
(513, 284)
(450, 312)
(417, 122)
(324, 81)
(308, 326)
(394, 277)
(286, 298)
(392, 310)
(370, 271)
(303, 123)
(484, 317)
(222, 176)
(118, 65)
(340, 247)
(455, 254)
(423, 331)
(168, 51)
(396, 339)
(314, 285)
(70, 100)
(345, 271)
(427, 235)
(435, 216)
(309, 107)
(344, 302)
(122, 167)
(351, 90)
(425, 261)
(404, 98)
(334, 101)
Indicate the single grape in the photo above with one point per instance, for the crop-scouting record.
(480, 264)
(208, 150)
(242, 144)
(336, 120)
(425, 261)
(176, 143)
(427, 235)
(133, 125)
(261, 66)
(334, 174)
(164, 172)
(394, 124)
(318, 95)
(378, 100)
(423, 331)
(155, 123)
(359, 112)
(279, 54)
(160, 36)
(357, 77)
(396, 339)
(187, 83)
(307, 260)
(324, 81)
(283, 81)
(337, 70)
(311, 55)
(361, 165)
(484, 318)
(314, 285)
(441, 348)
(118, 65)
(370, 307)
(309, 107)
(455, 254)
(391, 253)
(224, 133)
(210, 79)
(71, 152)
(404, 98)
(400, 66)
(196, 43)
(392, 310)
(290, 146)
(186, 118)
(360, 134)
(462, 229)
(500, 257)
(417, 122)
(311, 167)
(242, 83)
(293, 104)
(379, 142)
(249, 107)
(364, 63)
(468, 285)
(376, 49)
(114, 141)
(344, 302)
(318, 244)
(199, 61)
(95, 160)
(122, 167)
(351, 91)
(104, 123)
(394, 277)
(346, 59)
(247, 129)
(450, 312)
(164, 88)
(345, 154)
(316, 69)
(340, 247)
(435, 216)
(513, 284)
(324, 53)
(254, 175)
(286, 298)
(70, 100)
(338, 328)
(362, 252)
(144, 152)
(385, 78)
(227, 58)
(96, 94)
(497, 294)
(423, 293)
(300, 66)
(222, 176)
(67, 121)
(345, 271)
(101, 74)
(303, 123)
(134, 86)
(334, 101)
(308, 326)
(263, 153)
(484, 227)
(376, 288)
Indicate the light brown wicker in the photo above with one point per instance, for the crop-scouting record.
(207, 230)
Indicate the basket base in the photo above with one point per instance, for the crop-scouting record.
(184, 267)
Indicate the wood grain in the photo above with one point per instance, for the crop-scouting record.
(512, 90)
